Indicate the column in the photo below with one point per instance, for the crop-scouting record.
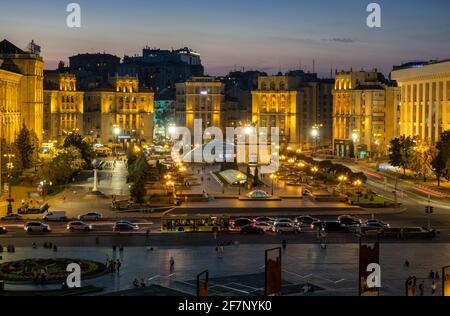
(423, 107)
(445, 117)
(430, 111)
(438, 110)
(411, 110)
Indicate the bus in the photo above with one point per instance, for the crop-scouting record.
(195, 223)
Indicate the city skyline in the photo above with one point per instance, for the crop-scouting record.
(234, 35)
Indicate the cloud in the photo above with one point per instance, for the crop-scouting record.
(344, 40)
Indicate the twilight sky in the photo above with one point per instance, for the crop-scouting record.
(267, 35)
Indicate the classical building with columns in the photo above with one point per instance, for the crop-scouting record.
(63, 106)
(365, 114)
(425, 106)
(21, 91)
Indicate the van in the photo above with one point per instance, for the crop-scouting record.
(55, 216)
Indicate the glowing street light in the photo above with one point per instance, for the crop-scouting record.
(273, 177)
(240, 177)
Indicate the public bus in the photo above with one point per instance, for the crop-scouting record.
(195, 223)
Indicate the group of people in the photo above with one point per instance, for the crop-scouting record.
(113, 266)
(433, 276)
(139, 284)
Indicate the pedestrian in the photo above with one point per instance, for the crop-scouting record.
(421, 288)
(221, 250)
(113, 266)
(118, 265)
(55, 248)
(431, 274)
(136, 283)
(436, 276)
(406, 264)
(284, 244)
(433, 287)
(172, 264)
(34, 245)
(143, 283)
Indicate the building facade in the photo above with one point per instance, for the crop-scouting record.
(21, 91)
(295, 106)
(425, 96)
(63, 106)
(200, 98)
(365, 114)
(119, 113)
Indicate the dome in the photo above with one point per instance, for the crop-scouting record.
(258, 194)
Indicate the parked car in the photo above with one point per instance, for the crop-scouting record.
(32, 227)
(124, 227)
(264, 225)
(347, 220)
(90, 217)
(266, 219)
(285, 227)
(376, 223)
(283, 220)
(79, 225)
(305, 221)
(329, 226)
(252, 229)
(12, 217)
(3, 230)
(33, 210)
(418, 232)
(55, 216)
(240, 222)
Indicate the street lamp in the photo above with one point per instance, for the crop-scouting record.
(10, 167)
(355, 139)
(358, 184)
(116, 131)
(315, 135)
(240, 177)
(273, 177)
(314, 170)
(342, 178)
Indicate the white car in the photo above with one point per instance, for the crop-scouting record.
(12, 217)
(31, 227)
(283, 220)
(90, 217)
(264, 226)
(55, 216)
(285, 227)
(79, 225)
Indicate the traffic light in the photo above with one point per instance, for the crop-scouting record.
(429, 209)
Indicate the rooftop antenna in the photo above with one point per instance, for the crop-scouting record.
(314, 66)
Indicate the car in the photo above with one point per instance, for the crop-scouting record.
(305, 220)
(90, 217)
(283, 220)
(252, 229)
(285, 227)
(418, 232)
(12, 217)
(329, 226)
(55, 216)
(347, 220)
(391, 232)
(264, 225)
(127, 222)
(32, 227)
(122, 227)
(264, 219)
(3, 230)
(376, 223)
(79, 225)
(241, 222)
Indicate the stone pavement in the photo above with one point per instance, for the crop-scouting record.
(334, 269)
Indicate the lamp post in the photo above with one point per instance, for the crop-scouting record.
(314, 170)
(358, 184)
(355, 139)
(240, 177)
(273, 177)
(10, 167)
(116, 131)
(315, 135)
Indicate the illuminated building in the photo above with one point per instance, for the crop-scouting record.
(119, 107)
(365, 114)
(291, 104)
(63, 106)
(425, 90)
(21, 90)
(199, 98)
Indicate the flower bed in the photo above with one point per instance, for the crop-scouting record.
(54, 270)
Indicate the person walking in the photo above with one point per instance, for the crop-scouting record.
(118, 265)
(406, 264)
(172, 264)
(433, 287)
(421, 288)
(284, 244)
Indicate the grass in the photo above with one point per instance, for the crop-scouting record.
(59, 292)
(56, 189)
(376, 200)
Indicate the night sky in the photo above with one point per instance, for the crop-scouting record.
(255, 34)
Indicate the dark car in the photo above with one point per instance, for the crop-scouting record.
(347, 220)
(3, 230)
(305, 220)
(251, 229)
(329, 226)
(241, 222)
(122, 227)
(265, 219)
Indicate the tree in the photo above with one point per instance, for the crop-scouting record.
(25, 143)
(402, 152)
(61, 166)
(76, 140)
(440, 164)
(422, 159)
(138, 174)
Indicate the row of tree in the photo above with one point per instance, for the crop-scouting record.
(411, 153)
